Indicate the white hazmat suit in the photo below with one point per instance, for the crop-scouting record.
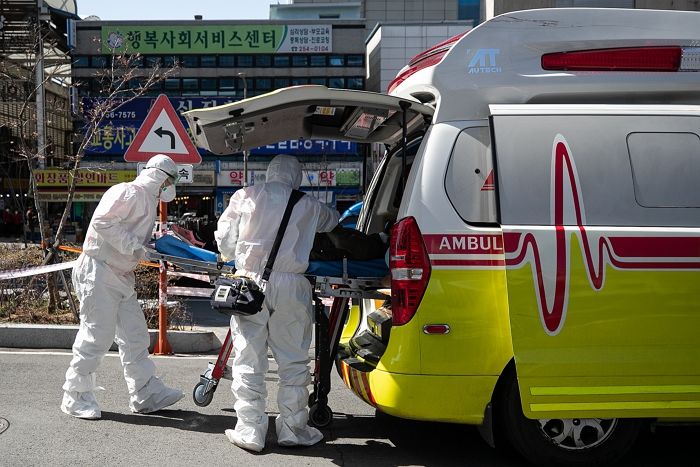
(246, 232)
(104, 282)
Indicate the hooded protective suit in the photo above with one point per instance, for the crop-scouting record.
(104, 282)
(246, 232)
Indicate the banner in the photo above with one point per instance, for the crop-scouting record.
(217, 39)
(52, 178)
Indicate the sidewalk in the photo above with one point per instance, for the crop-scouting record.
(207, 334)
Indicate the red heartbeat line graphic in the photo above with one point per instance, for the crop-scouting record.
(651, 248)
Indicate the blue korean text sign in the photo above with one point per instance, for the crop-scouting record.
(119, 127)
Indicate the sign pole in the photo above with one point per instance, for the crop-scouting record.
(162, 346)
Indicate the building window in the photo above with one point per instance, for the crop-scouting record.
(190, 84)
(299, 81)
(227, 61)
(336, 60)
(152, 61)
(355, 83)
(170, 61)
(319, 80)
(172, 84)
(281, 61)
(190, 61)
(208, 61)
(355, 60)
(300, 60)
(227, 86)
(281, 83)
(263, 61)
(263, 84)
(98, 61)
(317, 60)
(469, 9)
(207, 84)
(245, 61)
(81, 61)
(336, 82)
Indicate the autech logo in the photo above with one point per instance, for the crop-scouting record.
(484, 61)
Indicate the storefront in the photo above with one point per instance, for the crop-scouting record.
(52, 189)
(334, 183)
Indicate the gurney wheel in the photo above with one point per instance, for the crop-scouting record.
(320, 416)
(200, 397)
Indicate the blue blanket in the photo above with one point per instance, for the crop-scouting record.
(169, 245)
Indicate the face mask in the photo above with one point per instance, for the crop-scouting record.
(167, 193)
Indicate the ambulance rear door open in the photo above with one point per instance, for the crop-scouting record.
(305, 112)
(600, 210)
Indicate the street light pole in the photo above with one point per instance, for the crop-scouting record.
(245, 152)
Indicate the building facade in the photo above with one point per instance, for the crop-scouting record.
(36, 127)
(219, 62)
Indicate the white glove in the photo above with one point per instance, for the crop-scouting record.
(140, 253)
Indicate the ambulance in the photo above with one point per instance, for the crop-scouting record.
(542, 178)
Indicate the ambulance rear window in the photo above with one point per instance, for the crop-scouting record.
(470, 181)
(665, 168)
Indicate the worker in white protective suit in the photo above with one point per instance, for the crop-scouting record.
(103, 278)
(246, 232)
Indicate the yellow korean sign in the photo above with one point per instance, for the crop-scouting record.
(94, 178)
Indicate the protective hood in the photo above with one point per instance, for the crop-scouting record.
(151, 179)
(284, 169)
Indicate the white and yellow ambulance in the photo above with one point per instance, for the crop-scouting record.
(543, 182)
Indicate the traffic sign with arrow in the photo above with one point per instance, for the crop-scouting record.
(162, 132)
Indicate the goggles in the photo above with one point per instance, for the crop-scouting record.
(173, 178)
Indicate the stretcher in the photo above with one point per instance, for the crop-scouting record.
(340, 280)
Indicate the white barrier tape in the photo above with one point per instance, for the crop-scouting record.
(199, 277)
(190, 292)
(16, 273)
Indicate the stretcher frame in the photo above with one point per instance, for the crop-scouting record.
(327, 328)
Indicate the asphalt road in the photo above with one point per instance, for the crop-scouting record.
(40, 434)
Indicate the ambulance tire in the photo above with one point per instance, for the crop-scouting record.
(528, 437)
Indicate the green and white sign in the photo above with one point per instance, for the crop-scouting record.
(217, 39)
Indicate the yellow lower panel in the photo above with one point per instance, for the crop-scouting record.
(351, 324)
(455, 399)
(625, 397)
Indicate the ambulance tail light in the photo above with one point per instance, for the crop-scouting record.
(410, 270)
(671, 58)
(425, 59)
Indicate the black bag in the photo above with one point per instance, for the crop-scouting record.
(342, 243)
(237, 296)
(240, 295)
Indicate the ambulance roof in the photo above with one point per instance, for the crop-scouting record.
(500, 62)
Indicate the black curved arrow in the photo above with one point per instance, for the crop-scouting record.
(160, 132)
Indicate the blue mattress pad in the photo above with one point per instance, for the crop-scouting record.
(169, 245)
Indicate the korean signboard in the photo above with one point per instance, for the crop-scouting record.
(309, 178)
(86, 178)
(195, 39)
(307, 146)
(62, 196)
(117, 132)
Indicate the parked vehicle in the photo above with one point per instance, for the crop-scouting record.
(542, 179)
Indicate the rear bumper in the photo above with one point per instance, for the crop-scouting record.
(455, 399)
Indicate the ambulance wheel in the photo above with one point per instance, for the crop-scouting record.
(320, 416)
(200, 397)
(558, 442)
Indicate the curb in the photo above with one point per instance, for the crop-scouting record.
(43, 336)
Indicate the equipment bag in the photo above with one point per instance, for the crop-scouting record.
(240, 295)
